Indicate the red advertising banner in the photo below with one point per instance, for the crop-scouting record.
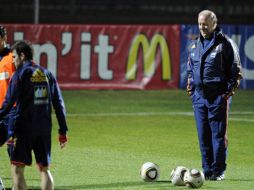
(106, 56)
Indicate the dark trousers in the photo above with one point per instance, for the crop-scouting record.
(211, 120)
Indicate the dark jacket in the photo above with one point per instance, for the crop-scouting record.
(216, 69)
(34, 90)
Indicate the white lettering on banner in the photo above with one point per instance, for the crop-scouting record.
(51, 51)
(237, 39)
(103, 49)
(249, 48)
(248, 74)
(67, 42)
(85, 54)
(18, 36)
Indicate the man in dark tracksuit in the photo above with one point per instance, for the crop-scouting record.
(33, 89)
(213, 75)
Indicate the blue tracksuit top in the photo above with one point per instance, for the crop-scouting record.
(34, 89)
(214, 69)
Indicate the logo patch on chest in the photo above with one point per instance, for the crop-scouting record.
(40, 95)
(213, 54)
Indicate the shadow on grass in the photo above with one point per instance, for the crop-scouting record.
(120, 184)
(108, 185)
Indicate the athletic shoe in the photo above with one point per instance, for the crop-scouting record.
(217, 177)
(1, 185)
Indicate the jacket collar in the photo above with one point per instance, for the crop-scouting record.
(216, 33)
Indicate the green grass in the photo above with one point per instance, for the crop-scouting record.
(112, 133)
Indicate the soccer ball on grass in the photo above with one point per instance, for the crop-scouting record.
(177, 175)
(194, 178)
(150, 171)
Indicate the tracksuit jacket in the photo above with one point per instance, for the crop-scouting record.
(7, 69)
(34, 89)
(214, 70)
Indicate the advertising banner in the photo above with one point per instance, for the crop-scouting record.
(243, 35)
(105, 56)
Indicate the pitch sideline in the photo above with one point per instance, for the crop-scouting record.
(159, 113)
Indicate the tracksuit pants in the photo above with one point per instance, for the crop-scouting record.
(211, 117)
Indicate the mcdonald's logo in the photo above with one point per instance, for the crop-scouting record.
(149, 56)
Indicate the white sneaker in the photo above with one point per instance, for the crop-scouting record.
(217, 178)
(1, 185)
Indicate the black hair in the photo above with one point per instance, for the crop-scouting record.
(3, 31)
(24, 47)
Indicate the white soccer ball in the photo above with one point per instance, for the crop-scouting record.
(194, 178)
(177, 175)
(150, 171)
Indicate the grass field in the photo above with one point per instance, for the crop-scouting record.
(112, 133)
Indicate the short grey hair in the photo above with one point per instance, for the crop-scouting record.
(209, 14)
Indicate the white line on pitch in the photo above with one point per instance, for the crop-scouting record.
(158, 113)
(149, 114)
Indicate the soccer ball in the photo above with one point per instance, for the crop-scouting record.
(194, 178)
(149, 171)
(177, 175)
